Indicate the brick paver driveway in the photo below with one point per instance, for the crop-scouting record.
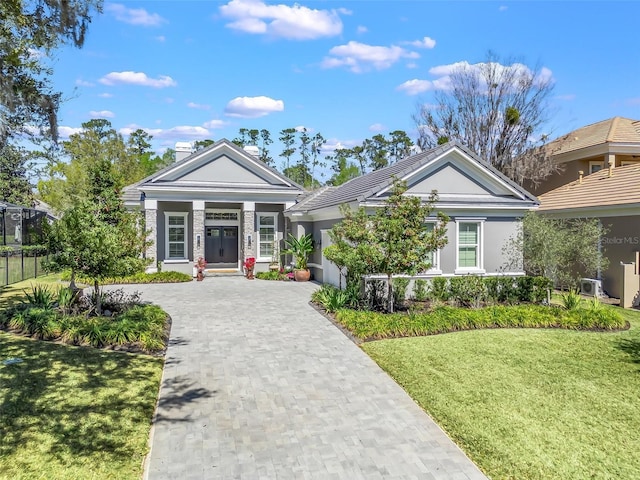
(259, 385)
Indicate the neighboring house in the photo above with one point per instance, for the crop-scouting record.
(220, 203)
(613, 197)
(485, 209)
(610, 143)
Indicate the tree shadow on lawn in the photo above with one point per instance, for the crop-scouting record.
(630, 346)
(75, 403)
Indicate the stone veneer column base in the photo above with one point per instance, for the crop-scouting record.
(151, 226)
(248, 229)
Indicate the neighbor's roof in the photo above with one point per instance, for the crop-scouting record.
(596, 190)
(363, 187)
(613, 130)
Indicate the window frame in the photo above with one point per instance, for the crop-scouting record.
(185, 217)
(593, 163)
(273, 215)
(435, 266)
(479, 268)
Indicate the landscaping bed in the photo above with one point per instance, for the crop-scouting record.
(156, 277)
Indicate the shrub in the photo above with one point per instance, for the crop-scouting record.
(40, 296)
(116, 300)
(468, 291)
(420, 290)
(272, 275)
(440, 289)
(400, 285)
(376, 325)
(541, 285)
(571, 300)
(330, 297)
(376, 294)
(156, 277)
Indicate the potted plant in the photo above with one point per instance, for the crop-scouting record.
(200, 266)
(249, 265)
(300, 248)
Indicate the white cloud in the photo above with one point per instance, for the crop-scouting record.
(359, 57)
(362, 29)
(415, 86)
(101, 114)
(105, 95)
(443, 74)
(83, 83)
(182, 132)
(66, 132)
(137, 78)
(426, 42)
(300, 128)
(502, 8)
(198, 106)
(213, 124)
(253, 107)
(377, 127)
(294, 22)
(134, 16)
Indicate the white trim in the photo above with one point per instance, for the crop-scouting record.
(248, 206)
(198, 204)
(195, 157)
(275, 233)
(150, 204)
(436, 266)
(479, 268)
(185, 216)
(182, 189)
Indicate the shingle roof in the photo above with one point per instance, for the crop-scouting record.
(613, 130)
(596, 190)
(365, 186)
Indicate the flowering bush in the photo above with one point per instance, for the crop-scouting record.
(249, 263)
(201, 264)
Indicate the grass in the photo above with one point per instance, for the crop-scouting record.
(529, 404)
(15, 292)
(70, 412)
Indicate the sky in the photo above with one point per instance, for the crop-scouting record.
(190, 70)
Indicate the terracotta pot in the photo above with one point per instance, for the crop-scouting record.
(302, 275)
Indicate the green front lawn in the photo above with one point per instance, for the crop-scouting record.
(70, 412)
(529, 404)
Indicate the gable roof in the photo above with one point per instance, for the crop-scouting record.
(170, 175)
(596, 190)
(371, 185)
(612, 130)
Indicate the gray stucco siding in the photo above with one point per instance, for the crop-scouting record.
(179, 207)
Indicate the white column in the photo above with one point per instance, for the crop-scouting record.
(249, 238)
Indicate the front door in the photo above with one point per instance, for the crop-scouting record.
(221, 245)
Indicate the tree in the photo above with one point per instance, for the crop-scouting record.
(317, 142)
(343, 169)
(376, 151)
(288, 139)
(394, 240)
(564, 250)
(97, 143)
(96, 236)
(29, 32)
(265, 141)
(15, 186)
(202, 144)
(399, 145)
(497, 110)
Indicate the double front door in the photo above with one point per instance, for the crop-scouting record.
(221, 245)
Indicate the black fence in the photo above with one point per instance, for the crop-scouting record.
(18, 265)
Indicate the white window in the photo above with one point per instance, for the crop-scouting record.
(469, 248)
(267, 231)
(433, 257)
(176, 235)
(595, 166)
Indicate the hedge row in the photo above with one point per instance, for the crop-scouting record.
(368, 325)
(157, 277)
